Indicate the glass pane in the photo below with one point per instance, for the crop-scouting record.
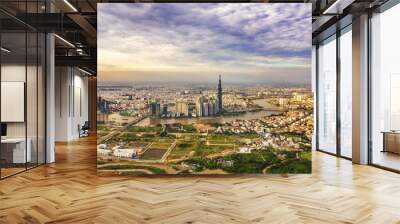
(385, 86)
(346, 94)
(327, 96)
(13, 86)
(31, 97)
(41, 98)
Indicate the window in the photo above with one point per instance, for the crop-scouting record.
(346, 92)
(327, 95)
(385, 89)
(22, 94)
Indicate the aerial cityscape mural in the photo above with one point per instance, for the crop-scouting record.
(204, 88)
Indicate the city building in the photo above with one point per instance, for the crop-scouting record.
(212, 107)
(205, 111)
(219, 97)
(182, 108)
(283, 101)
(155, 108)
(127, 153)
(298, 97)
(102, 105)
(165, 109)
(199, 106)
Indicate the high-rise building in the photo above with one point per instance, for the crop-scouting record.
(283, 101)
(205, 109)
(191, 108)
(102, 105)
(165, 109)
(219, 97)
(199, 106)
(212, 107)
(298, 97)
(182, 107)
(155, 109)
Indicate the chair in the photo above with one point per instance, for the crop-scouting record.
(84, 130)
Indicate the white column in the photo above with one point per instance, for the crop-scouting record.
(314, 90)
(360, 90)
(50, 99)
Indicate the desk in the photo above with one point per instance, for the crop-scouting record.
(391, 141)
(13, 150)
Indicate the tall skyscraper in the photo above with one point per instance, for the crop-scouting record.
(155, 109)
(182, 107)
(165, 109)
(219, 95)
(212, 107)
(199, 106)
(102, 105)
(205, 109)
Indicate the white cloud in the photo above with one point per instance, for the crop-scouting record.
(201, 36)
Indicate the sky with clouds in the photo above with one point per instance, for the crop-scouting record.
(250, 42)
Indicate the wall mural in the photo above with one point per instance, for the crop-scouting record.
(204, 88)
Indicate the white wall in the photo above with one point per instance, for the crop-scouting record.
(62, 81)
(71, 103)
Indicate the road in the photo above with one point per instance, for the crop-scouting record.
(166, 154)
(113, 133)
(145, 149)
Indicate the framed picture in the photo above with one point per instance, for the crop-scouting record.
(204, 88)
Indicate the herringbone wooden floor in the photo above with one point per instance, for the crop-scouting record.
(70, 191)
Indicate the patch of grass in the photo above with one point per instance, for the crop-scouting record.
(144, 129)
(153, 154)
(204, 150)
(182, 149)
(189, 128)
(154, 170)
(292, 166)
(135, 173)
(306, 155)
(175, 168)
(101, 162)
(145, 137)
(254, 162)
(102, 133)
(161, 145)
(230, 138)
(103, 127)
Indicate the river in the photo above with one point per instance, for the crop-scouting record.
(268, 110)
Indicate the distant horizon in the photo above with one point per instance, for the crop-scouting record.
(186, 84)
(180, 43)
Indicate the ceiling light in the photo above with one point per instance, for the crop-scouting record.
(5, 50)
(338, 6)
(84, 71)
(79, 51)
(70, 5)
(64, 40)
